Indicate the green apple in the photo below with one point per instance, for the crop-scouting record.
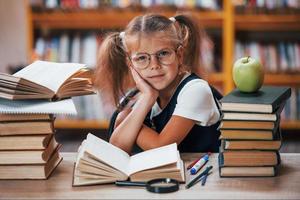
(248, 74)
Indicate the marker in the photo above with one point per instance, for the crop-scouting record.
(199, 164)
(193, 163)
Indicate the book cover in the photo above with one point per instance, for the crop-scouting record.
(248, 134)
(16, 157)
(250, 158)
(47, 80)
(100, 162)
(246, 171)
(31, 171)
(266, 100)
(25, 142)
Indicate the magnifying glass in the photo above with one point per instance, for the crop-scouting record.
(161, 185)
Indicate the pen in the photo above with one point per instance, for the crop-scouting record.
(193, 163)
(199, 164)
(204, 179)
(190, 184)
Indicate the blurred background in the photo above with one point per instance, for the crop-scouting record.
(72, 31)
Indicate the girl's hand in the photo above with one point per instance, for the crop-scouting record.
(144, 87)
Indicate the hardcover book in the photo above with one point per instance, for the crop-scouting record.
(249, 158)
(47, 80)
(25, 142)
(31, 171)
(248, 134)
(246, 171)
(16, 157)
(266, 100)
(100, 162)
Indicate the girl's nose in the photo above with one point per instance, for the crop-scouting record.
(154, 63)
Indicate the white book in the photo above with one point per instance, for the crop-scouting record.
(37, 107)
(101, 162)
(47, 80)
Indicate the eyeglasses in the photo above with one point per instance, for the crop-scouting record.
(164, 56)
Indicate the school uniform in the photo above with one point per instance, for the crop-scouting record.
(193, 99)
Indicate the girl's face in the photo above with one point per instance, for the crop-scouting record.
(156, 59)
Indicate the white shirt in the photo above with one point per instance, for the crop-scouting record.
(195, 101)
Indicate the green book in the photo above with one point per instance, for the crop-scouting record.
(266, 100)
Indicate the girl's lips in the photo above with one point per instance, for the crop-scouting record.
(156, 76)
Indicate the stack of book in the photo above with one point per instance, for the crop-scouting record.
(250, 132)
(28, 100)
(28, 149)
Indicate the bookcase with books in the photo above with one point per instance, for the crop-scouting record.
(229, 24)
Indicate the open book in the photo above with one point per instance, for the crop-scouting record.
(47, 80)
(100, 162)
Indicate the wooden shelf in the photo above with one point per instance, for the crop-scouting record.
(80, 124)
(282, 79)
(215, 78)
(290, 125)
(265, 22)
(103, 19)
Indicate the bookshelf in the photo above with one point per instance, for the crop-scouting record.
(226, 20)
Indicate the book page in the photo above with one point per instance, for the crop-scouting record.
(107, 153)
(37, 107)
(153, 158)
(49, 74)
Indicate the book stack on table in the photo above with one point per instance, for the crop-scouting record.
(250, 132)
(29, 99)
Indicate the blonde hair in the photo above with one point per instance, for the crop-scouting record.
(112, 75)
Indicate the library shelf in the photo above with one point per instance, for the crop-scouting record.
(268, 22)
(290, 124)
(115, 18)
(287, 79)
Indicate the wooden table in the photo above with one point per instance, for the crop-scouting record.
(285, 186)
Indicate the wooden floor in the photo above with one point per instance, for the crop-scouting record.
(71, 139)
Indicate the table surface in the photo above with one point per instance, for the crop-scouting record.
(59, 186)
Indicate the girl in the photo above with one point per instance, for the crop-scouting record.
(173, 105)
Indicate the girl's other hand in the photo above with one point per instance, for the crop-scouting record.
(144, 87)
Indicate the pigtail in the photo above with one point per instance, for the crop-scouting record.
(112, 70)
(190, 35)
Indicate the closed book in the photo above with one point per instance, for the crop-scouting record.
(100, 162)
(265, 171)
(244, 124)
(251, 144)
(25, 142)
(26, 127)
(25, 117)
(47, 80)
(31, 171)
(250, 134)
(15, 157)
(250, 158)
(250, 116)
(266, 100)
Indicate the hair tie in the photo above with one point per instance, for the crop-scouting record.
(122, 35)
(172, 19)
